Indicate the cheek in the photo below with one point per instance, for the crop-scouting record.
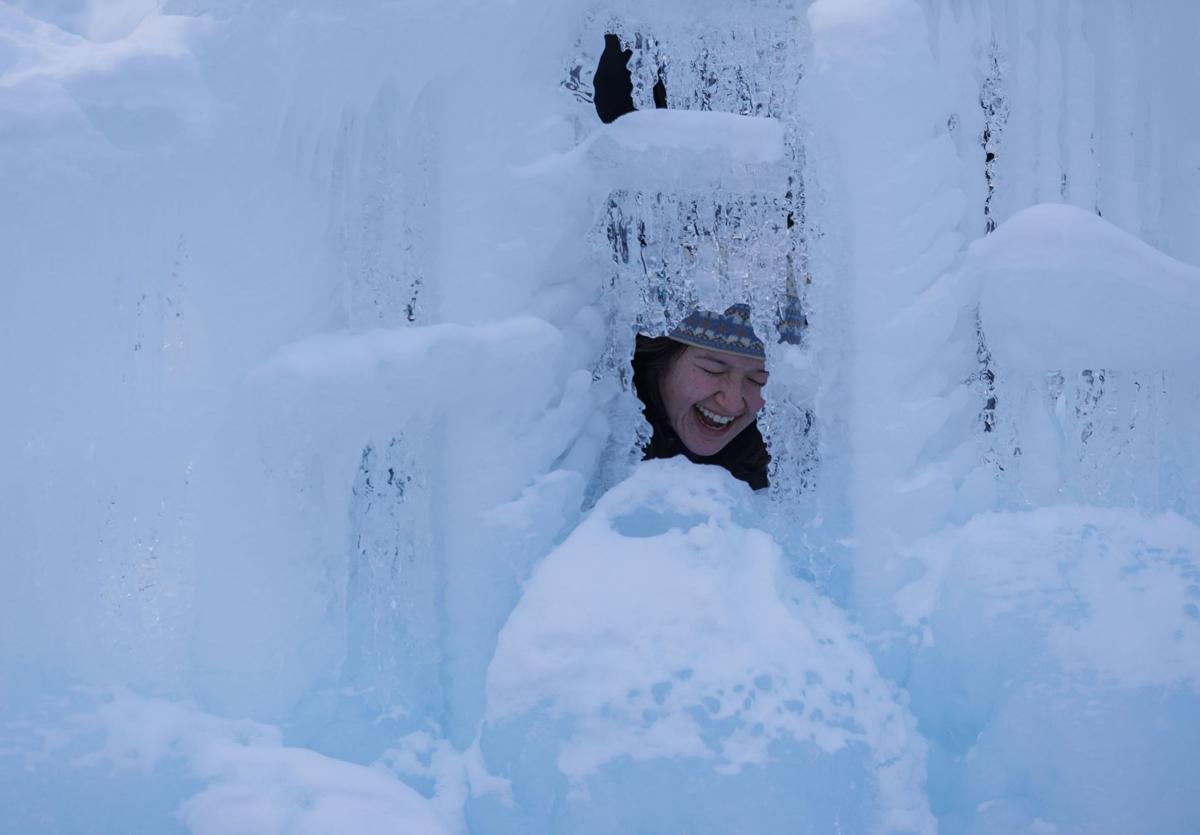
(755, 400)
(671, 396)
(681, 390)
(696, 390)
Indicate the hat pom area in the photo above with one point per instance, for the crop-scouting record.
(733, 332)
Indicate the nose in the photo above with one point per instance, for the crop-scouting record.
(730, 398)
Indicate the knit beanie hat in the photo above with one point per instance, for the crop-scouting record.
(731, 331)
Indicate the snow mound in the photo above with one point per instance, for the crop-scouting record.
(1065, 289)
(248, 781)
(129, 80)
(662, 667)
(1058, 676)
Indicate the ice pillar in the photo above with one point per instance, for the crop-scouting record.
(892, 205)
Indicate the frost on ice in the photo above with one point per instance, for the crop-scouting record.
(320, 501)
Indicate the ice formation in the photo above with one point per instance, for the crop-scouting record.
(616, 705)
(320, 508)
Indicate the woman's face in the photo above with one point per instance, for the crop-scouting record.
(711, 396)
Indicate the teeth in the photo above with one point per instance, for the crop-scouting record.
(713, 417)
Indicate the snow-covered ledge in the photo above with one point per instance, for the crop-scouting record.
(1064, 289)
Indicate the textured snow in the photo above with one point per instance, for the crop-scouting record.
(249, 782)
(665, 630)
(320, 501)
(1060, 646)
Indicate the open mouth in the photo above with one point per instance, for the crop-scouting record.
(711, 420)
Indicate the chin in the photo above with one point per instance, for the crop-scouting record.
(699, 444)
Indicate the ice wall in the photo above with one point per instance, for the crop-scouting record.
(1004, 107)
(1073, 103)
(1065, 405)
(319, 322)
(892, 168)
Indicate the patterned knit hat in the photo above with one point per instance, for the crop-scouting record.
(731, 331)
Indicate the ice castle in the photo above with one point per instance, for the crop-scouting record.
(321, 507)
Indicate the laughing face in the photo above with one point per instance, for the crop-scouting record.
(711, 396)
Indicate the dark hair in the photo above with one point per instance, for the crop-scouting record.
(745, 456)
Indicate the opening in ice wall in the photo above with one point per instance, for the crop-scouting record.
(600, 237)
(676, 240)
(661, 216)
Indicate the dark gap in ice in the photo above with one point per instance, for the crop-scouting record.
(612, 82)
(660, 93)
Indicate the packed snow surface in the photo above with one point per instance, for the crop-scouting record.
(1063, 288)
(1049, 641)
(239, 778)
(665, 636)
(321, 507)
(753, 139)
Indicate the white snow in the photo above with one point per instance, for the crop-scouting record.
(319, 463)
(1060, 645)
(1065, 289)
(131, 79)
(1108, 590)
(665, 629)
(252, 784)
(747, 138)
